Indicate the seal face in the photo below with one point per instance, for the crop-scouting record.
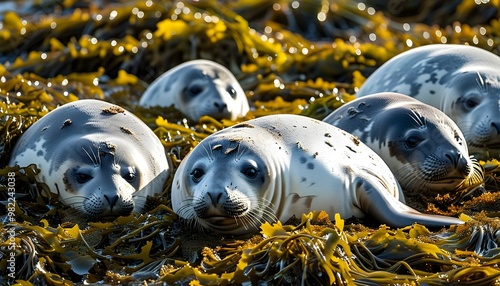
(277, 166)
(197, 88)
(101, 159)
(462, 81)
(422, 146)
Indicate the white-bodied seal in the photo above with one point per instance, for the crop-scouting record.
(197, 88)
(278, 166)
(462, 81)
(99, 158)
(422, 146)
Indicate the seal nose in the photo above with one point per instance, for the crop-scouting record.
(214, 198)
(220, 106)
(459, 162)
(111, 200)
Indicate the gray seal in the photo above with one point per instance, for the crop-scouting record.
(99, 158)
(278, 166)
(422, 146)
(462, 81)
(197, 88)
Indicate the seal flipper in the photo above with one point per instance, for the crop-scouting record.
(387, 209)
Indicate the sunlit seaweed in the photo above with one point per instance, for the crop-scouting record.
(300, 57)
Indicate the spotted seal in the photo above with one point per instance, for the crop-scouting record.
(462, 81)
(99, 158)
(197, 88)
(277, 166)
(422, 146)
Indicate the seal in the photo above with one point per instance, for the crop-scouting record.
(462, 81)
(100, 159)
(278, 166)
(197, 88)
(422, 146)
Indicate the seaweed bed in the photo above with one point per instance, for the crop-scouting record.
(302, 57)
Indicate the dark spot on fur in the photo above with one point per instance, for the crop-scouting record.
(310, 166)
(303, 179)
(329, 143)
(45, 128)
(113, 110)
(303, 160)
(66, 123)
(126, 130)
(39, 153)
(415, 88)
(315, 155)
(432, 78)
(349, 147)
(355, 140)
(432, 91)
(328, 135)
(67, 184)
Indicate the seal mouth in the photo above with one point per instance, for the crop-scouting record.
(447, 181)
(105, 218)
(221, 220)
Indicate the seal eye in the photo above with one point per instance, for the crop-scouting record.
(82, 178)
(196, 174)
(129, 177)
(250, 172)
(412, 141)
(231, 91)
(194, 90)
(470, 103)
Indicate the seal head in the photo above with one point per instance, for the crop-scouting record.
(423, 147)
(100, 159)
(197, 88)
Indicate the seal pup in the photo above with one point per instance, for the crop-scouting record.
(197, 88)
(99, 158)
(462, 81)
(422, 146)
(278, 166)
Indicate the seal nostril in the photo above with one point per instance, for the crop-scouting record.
(455, 158)
(220, 106)
(495, 126)
(450, 158)
(214, 200)
(111, 200)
